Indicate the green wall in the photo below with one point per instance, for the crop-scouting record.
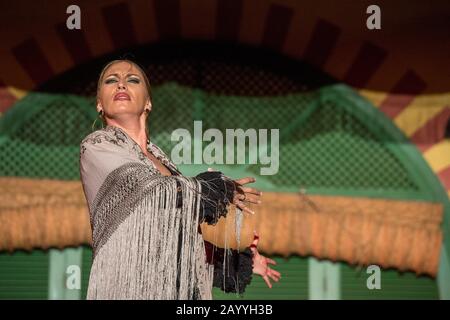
(25, 275)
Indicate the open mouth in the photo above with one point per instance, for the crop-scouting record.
(121, 96)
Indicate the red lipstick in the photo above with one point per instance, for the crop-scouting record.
(121, 96)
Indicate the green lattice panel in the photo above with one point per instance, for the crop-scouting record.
(323, 144)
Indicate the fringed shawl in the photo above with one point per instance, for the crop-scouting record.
(144, 245)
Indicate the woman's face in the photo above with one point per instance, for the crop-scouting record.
(122, 91)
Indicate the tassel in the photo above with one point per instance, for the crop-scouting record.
(135, 257)
(238, 225)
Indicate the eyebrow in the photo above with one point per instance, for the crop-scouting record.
(117, 75)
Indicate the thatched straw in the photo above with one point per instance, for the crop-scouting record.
(42, 213)
(37, 213)
(405, 235)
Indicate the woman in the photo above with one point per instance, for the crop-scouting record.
(145, 215)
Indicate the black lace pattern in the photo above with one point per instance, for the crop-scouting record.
(217, 194)
(232, 269)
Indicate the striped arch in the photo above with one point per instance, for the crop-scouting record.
(53, 49)
(46, 52)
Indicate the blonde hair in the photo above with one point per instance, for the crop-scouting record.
(106, 67)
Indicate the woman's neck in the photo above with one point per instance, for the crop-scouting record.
(136, 131)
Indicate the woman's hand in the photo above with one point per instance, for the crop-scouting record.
(246, 194)
(261, 264)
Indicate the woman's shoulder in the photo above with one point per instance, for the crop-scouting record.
(108, 134)
(104, 137)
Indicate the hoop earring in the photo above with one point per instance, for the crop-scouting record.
(100, 115)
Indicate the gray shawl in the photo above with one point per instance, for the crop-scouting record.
(138, 231)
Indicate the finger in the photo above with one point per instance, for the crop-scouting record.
(266, 279)
(243, 207)
(251, 190)
(271, 261)
(275, 273)
(272, 275)
(238, 198)
(245, 195)
(245, 180)
(250, 198)
(211, 169)
(274, 278)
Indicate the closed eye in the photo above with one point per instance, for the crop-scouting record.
(134, 80)
(108, 81)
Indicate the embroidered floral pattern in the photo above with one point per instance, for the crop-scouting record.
(118, 138)
(152, 148)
